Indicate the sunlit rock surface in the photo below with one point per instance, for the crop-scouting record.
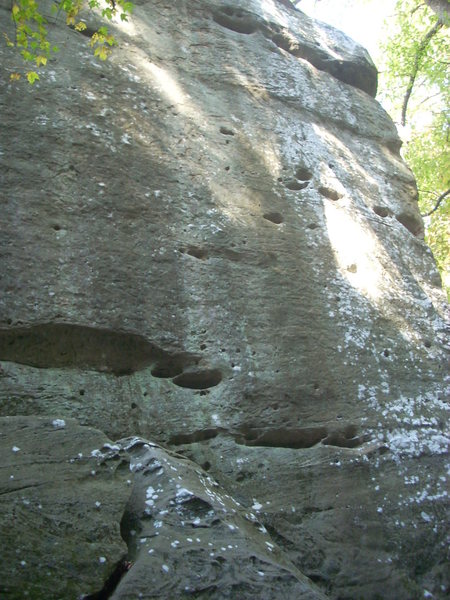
(211, 241)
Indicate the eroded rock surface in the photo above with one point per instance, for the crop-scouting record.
(188, 538)
(61, 502)
(211, 241)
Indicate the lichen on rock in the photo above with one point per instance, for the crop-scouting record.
(213, 247)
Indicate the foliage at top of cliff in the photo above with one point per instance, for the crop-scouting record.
(415, 89)
(31, 29)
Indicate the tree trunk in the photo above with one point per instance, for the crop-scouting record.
(441, 8)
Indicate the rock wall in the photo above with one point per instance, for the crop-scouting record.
(222, 335)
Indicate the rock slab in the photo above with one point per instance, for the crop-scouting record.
(211, 242)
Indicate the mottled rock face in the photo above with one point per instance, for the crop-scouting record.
(212, 243)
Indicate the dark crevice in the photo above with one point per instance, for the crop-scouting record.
(167, 369)
(361, 74)
(284, 438)
(198, 380)
(345, 438)
(381, 211)
(236, 20)
(295, 184)
(303, 173)
(111, 583)
(329, 193)
(63, 345)
(197, 436)
(196, 252)
(274, 217)
(260, 259)
(413, 223)
(226, 131)
(304, 437)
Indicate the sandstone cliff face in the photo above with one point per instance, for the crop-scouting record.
(221, 337)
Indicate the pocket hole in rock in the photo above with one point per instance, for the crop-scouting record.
(295, 185)
(381, 211)
(167, 370)
(303, 174)
(285, 438)
(411, 222)
(274, 217)
(312, 226)
(198, 380)
(236, 21)
(329, 193)
(195, 252)
(195, 437)
(226, 131)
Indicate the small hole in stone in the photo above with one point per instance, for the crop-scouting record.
(238, 349)
(303, 173)
(227, 168)
(145, 394)
(386, 352)
(329, 193)
(313, 226)
(57, 227)
(81, 392)
(295, 185)
(202, 346)
(198, 380)
(411, 222)
(381, 211)
(199, 253)
(226, 131)
(165, 370)
(427, 344)
(274, 217)
(206, 466)
(133, 405)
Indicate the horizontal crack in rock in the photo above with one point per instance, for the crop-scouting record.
(59, 345)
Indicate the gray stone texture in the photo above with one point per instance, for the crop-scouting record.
(211, 242)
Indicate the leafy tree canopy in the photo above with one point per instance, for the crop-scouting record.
(414, 87)
(31, 29)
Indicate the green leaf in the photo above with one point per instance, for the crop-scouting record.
(32, 76)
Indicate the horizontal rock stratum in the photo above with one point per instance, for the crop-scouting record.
(222, 336)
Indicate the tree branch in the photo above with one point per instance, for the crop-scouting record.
(417, 59)
(438, 202)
